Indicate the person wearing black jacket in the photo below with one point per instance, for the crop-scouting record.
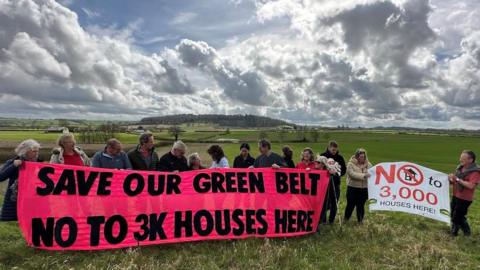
(333, 153)
(288, 156)
(175, 160)
(26, 151)
(144, 157)
(244, 160)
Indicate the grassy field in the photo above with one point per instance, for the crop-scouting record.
(384, 241)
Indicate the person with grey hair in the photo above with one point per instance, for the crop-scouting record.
(357, 184)
(175, 160)
(112, 157)
(194, 162)
(68, 153)
(143, 157)
(26, 151)
(464, 181)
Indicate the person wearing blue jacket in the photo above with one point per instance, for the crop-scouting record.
(26, 151)
(112, 157)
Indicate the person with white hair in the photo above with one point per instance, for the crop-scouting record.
(68, 152)
(194, 162)
(175, 160)
(26, 151)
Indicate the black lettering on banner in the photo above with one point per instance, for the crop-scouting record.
(256, 182)
(72, 231)
(242, 182)
(230, 182)
(249, 221)
(261, 213)
(204, 186)
(217, 182)
(104, 183)
(227, 227)
(152, 226)
(156, 226)
(95, 222)
(173, 183)
(146, 231)
(65, 182)
(42, 233)
(314, 183)
(281, 182)
(290, 221)
(183, 224)
(160, 185)
(43, 176)
(108, 229)
(84, 185)
(197, 222)
(237, 213)
(127, 184)
(46, 233)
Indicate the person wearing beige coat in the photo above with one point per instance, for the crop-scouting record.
(357, 184)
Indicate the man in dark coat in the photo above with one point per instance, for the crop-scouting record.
(144, 157)
(175, 160)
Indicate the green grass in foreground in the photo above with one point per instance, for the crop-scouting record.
(385, 241)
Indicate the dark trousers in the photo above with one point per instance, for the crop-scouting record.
(330, 202)
(458, 212)
(356, 198)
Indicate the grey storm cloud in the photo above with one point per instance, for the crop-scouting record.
(389, 35)
(245, 86)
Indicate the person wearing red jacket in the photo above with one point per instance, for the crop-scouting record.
(308, 160)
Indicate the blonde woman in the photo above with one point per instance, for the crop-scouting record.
(68, 153)
(357, 184)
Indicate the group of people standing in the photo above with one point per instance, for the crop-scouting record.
(144, 157)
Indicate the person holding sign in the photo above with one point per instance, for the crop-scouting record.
(143, 157)
(218, 157)
(112, 157)
(26, 151)
(333, 153)
(357, 184)
(307, 162)
(175, 160)
(330, 202)
(464, 181)
(68, 153)
(267, 158)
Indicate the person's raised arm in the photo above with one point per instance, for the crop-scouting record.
(8, 169)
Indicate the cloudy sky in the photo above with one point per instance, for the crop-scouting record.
(328, 62)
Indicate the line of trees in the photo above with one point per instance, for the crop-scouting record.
(247, 120)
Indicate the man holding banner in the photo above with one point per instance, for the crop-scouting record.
(464, 181)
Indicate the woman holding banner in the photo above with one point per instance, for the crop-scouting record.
(357, 184)
(218, 157)
(307, 162)
(26, 151)
(68, 153)
(194, 162)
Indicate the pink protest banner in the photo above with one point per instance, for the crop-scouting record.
(79, 208)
